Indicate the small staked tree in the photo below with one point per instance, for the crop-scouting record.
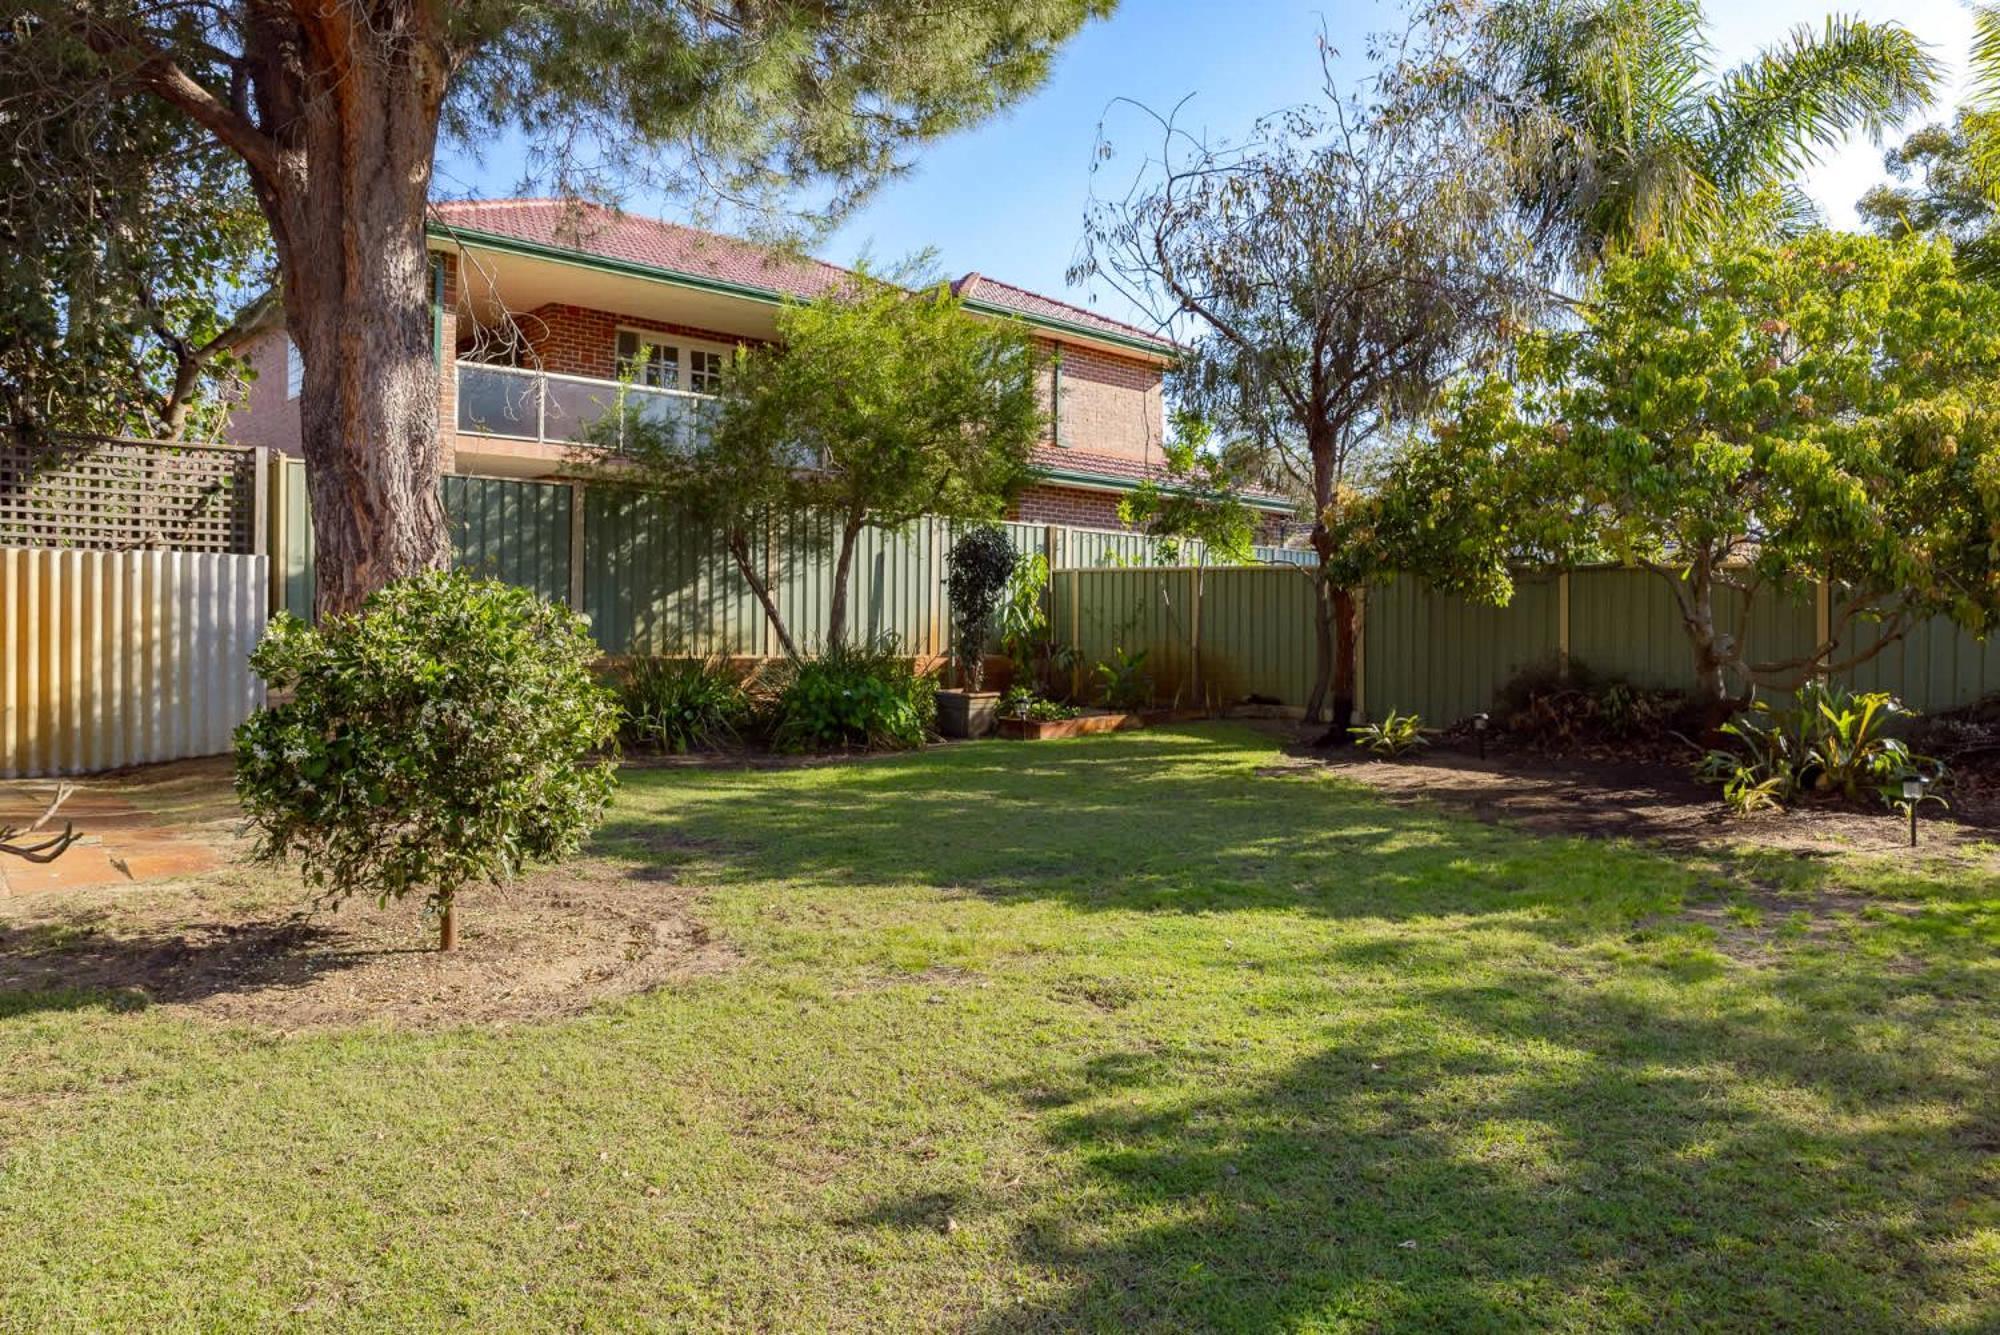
(1758, 419)
(442, 736)
(1197, 503)
(876, 406)
(1334, 272)
(335, 109)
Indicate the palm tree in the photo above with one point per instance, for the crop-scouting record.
(1627, 137)
(1980, 116)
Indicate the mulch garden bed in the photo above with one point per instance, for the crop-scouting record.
(1650, 797)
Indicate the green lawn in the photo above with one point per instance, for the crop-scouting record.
(1117, 1033)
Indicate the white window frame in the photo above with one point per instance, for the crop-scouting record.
(295, 370)
(683, 348)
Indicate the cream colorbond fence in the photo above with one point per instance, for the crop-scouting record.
(121, 658)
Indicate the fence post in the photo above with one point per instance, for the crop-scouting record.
(260, 501)
(1822, 620)
(1194, 634)
(941, 540)
(1075, 630)
(576, 546)
(278, 539)
(1562, 624)
(1360, 655)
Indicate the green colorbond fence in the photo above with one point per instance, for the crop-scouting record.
(1446, 658)
(654, 582)
(516, 532)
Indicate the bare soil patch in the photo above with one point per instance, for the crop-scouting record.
(1652, 801)
(237, 948)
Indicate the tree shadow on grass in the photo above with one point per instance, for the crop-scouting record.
(1184, 820)
(1629, 1136)
(1578, 1162)
(72, 966)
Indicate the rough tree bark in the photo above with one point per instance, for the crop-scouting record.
(347, 209)
(1333, 609)
(337, 125)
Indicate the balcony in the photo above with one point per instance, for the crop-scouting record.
(556, 409)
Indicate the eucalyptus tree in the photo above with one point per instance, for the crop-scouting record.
(1938, 187)
(1332, 273)
(335, 109)
(1624, 134)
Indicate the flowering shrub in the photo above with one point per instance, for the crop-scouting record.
(440, 736)
(854, 698)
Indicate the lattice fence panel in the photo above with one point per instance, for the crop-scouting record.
(127, 495)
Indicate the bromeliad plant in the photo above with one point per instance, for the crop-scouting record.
(1829, 742)
(1024, 702)
(1123, 681)
(442, 735)
(1392, 736)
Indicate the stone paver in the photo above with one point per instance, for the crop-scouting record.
(121, 844)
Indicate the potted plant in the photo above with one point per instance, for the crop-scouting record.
(977, 570)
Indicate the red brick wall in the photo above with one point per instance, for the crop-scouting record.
(1099, 509)
(1066, 505)
(1110, 405)
(576, 340)
(264, 416)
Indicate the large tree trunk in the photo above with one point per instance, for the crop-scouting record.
(836, 611)
(1344, 674)
(346, 194)
(1323, 646)
(334, 111)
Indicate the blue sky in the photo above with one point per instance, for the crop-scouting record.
(1007, 197)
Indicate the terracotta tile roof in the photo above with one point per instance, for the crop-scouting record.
(977, 286)
(593, 229)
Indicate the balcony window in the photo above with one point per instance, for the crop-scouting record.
(704, 371)
(657, 362)
(645, 361)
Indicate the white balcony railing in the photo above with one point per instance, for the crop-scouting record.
(569, 409)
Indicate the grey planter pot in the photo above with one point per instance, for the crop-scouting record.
(968, 713)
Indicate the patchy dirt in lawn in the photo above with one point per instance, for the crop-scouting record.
(230, 949)
(1617, 799)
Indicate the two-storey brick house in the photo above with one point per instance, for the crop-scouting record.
(543, 306)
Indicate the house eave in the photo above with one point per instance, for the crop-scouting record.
(444, 238)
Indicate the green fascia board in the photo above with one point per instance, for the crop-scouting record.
(1116, 482)
(510, 245)
(1156, 347)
